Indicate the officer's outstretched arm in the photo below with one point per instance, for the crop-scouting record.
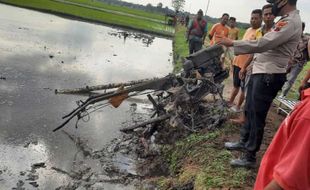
(267, 42)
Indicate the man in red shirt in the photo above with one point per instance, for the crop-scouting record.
(286, 163)
(196, 33)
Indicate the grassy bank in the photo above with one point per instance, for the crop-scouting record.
(201, 160)
(78, 11)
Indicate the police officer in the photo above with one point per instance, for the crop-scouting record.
(273, 50)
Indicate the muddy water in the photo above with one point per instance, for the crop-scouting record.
(40, 53)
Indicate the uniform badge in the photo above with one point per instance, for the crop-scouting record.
(280, 25)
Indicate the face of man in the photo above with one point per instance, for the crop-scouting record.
(256, 21)
(199, 15)
(232, 23)
(268, 17)
(224, 20)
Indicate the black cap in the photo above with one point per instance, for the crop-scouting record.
(270, 1)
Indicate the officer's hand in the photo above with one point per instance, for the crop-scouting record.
(225, 41)
(242, 74)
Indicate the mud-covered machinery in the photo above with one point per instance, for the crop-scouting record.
(207, 60)
(179, 97)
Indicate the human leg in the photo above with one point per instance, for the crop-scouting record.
(191, 46)
(236, 84)
(245, 130)
(265, 89)
(291, 77)
(197, 46)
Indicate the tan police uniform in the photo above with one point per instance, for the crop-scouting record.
(273, 52)
(275, 47)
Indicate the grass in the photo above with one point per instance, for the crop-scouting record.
(95, 15)
(180, 47)
(293, 93)
(127, 10)
(201, 159)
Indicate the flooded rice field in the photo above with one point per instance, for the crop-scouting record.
(41, 53)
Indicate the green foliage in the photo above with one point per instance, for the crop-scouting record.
(180, 47)
(178, 4)
(160, 17)
(95, 15)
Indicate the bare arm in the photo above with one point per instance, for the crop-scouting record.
(237, 35)
(242, 72)
(273, 185)
(212, 31)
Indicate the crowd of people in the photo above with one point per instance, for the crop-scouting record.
(265, 63)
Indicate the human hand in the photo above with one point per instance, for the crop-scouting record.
(225, 42)
(242, 74)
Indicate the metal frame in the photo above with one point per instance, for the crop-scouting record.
(285, 105)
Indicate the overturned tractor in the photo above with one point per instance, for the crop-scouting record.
(179, 100)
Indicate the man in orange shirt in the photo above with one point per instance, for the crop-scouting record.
(232, 34)
(286, 163)
(233, 30)
(219, 30)
(240, 60)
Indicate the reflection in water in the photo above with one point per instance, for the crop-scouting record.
(41, 52)
(144, 38)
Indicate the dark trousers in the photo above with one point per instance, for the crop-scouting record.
(262, 89)
(194, 46)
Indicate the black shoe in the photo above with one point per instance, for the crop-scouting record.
(235, 146)
(243, 162)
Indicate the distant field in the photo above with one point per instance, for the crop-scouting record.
(90, 14)
(157, 16)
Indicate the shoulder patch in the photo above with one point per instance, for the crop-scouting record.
(279, 25)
